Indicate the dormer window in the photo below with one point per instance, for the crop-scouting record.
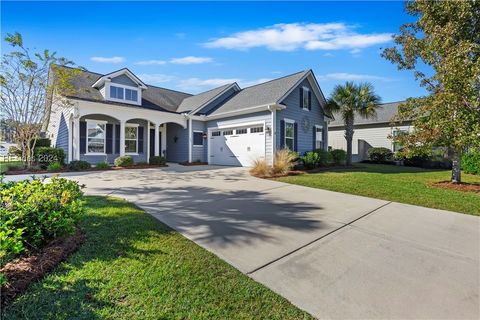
(116, 92)
(131, 95)
(121, 86)
(123, 94)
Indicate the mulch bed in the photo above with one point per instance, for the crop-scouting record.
(21, 272)
(464, 187)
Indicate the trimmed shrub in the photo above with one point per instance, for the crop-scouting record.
(102, 165)
(79, 165)
(158, 161)
(325, 157)
(41, 142)
(260, 168)
(124, 161)
(339, 156)
(47, 155)
(33, 212)
(284, 161)
(311, 159)
(380, 154)
(471, 162)
(54, 167)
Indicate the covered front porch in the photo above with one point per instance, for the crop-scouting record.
(118, 131)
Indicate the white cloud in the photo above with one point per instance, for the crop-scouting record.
(292, 36)
(191, 60)
(108, 59)
(199, 85)
(154, 78)
(150, 62)
(344, 76)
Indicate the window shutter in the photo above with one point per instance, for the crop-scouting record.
(282, 134)
(314, 138)
(109, 138)
(140, 139)
(301, 97)
(117, 138)
(295, 137)
(309, 100)
(83, 137)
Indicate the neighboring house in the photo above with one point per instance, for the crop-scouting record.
(117, 114)
(374, 132)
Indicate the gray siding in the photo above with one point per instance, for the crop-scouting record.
(110, 158)
(62, 136)
(123, 79)
(216, 102)
(257, 116)
(296, 113)
(200, 153)
(177, 151)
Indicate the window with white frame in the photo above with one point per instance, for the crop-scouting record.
(241, 131)
(319, 137)
(116, 92)
(95, 136)
(131, 138)
(256, 129)
(121, 93)
(290, 135)
(197, 138)
(306, 100)
(131, 95)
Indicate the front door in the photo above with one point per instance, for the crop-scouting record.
(152, 142)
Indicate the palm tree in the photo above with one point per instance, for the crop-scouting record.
(349, 100)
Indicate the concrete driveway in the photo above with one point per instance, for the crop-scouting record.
(331, 254)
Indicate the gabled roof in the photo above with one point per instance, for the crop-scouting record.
(200, 100)
(384, 115)
(154, 98)
(117, 73)
(267, 93)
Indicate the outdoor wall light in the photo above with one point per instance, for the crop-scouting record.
(268, 130)
(204, 136)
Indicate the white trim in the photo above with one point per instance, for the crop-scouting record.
(124, 100)
(265, 107)
(131, 125)
(96, 121)
(233, 85)
(190, 140)
(241, 124)
(125, 71)
(198, 145)
(323, 134)
(273, 135)
(290, 121)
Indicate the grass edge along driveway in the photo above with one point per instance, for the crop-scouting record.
(395, 183)
(134, 267)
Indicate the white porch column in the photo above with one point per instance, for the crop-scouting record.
(190, 140)
(164, 140)
(70, 140)
(157, 144)
(122, 138)
(76, 137)
(148, 141)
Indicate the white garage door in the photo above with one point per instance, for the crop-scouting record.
(238, 146)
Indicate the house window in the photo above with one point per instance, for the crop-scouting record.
(306, 100)
(215, 133)
(227, 132)
(398, 146)
(198, 138)
(241, 131)
(256, 129)
(95, 137)
(116, 92)
(131, 95)
(318, 137)
(131, 139)
(289, 135)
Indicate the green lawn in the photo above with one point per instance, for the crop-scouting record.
(395, 183)
(134, 267)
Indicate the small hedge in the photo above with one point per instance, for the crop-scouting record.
(54, 167)
(79, 165)
(310, 160)
(33, 212)
(339, 156)
(102, 165)
(124, 161)
(158, 161)
(471, 162)
(47, 155)
(380, 154)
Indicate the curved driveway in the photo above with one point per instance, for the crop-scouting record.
(331, 254)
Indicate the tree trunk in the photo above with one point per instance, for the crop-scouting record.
(456, 167)
(349, 138)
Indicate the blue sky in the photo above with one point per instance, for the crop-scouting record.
(193, 47)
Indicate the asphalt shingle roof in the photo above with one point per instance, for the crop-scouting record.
(154, 98)
(193, 102)
(385, 113)
(261, 94)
